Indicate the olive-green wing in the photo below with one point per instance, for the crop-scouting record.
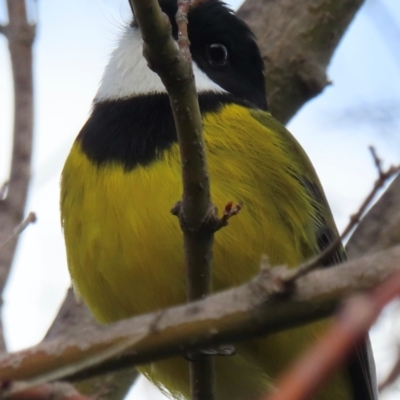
(361, 365)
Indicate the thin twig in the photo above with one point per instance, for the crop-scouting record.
(30, 219)
(379, 228)
(383, 177)
(377, 161)
(183, 36)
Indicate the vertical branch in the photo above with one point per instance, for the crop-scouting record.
(195, 210)
(196, 213)
(20, 35)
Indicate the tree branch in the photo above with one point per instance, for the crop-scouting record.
(308, 374)
(196, 213)
(30, 219)
(297, 40)
(20, 37)
(3, 30)
(383, 177)
(59, 391)
(253, 309)
(73, 320)
(380, 228)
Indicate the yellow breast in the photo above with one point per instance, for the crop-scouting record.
(124, 247)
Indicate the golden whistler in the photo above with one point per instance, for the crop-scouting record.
(123, 175)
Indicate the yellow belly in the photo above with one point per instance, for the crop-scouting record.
(124, 248)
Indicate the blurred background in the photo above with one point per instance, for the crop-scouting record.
(74, 40)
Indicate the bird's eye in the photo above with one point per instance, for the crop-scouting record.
(217, 54)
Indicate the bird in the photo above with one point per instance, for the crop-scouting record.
(123, 174)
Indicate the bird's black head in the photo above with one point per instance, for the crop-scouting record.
(132, 123)
(224, 48)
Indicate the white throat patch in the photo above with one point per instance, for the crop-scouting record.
(127, 74)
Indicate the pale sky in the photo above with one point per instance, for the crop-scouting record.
(360, 108)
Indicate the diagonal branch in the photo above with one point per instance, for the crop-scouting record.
(59, 391)
(297, 40)
(73, 320)
(30, 219)
(383, 177)
(308, 374)
(254, 309)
